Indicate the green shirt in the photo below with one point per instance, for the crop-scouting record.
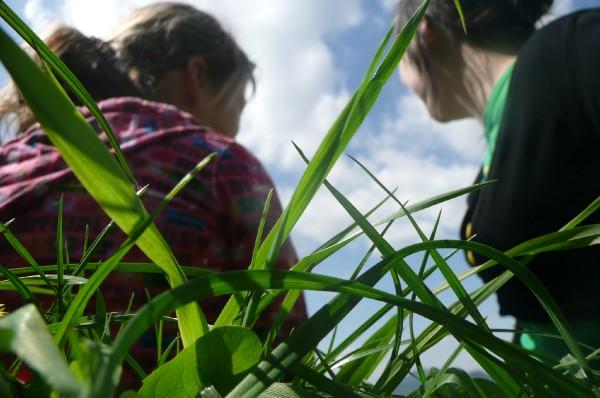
(492, 117)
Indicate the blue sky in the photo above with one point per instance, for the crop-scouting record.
(310, 56)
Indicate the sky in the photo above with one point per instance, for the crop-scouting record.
(310, 57)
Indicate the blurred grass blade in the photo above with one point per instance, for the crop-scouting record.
(524, 275)
(585, 213)
(360, 330)
(250, 308)
(96, 169)
(461, 14)
(334, 244)
(497, 372)
(357, 371)
(24, 332)
(403, 269)
(19, 286)
(433, 383)
(50, 59)
(60, 257)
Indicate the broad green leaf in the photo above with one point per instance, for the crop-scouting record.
(24, 333)
(219, 358)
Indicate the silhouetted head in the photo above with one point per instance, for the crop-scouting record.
(436, 63)
(180, 55)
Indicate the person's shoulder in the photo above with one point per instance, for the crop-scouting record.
(564, 30)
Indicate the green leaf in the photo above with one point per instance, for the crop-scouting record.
(24, 332)
(461, 15)
(220, 359)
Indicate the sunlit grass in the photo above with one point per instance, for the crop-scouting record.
(76, 360)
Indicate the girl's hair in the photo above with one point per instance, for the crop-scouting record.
(92, 60)
(160, 37)
(499, 25)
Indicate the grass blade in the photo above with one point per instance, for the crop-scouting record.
(57, 66)
(96, 169)
(24, 332)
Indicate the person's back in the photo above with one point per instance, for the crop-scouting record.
(213, 222)
(536, 93)
(546, 164)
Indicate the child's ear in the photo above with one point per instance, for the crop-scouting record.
(427, 32)
(196, 76)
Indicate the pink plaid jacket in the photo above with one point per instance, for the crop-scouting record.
(212, 223)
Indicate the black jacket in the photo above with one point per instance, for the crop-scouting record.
(547, 166)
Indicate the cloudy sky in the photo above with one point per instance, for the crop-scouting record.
(311, 55)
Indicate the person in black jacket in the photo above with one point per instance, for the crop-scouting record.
(537, 94)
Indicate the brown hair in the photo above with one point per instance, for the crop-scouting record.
(91, 60)
(498, 25)
(162, 36)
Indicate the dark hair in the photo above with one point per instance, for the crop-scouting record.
(500, 25)
(162, 36)
(92, 60)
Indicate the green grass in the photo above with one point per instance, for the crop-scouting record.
(74, 354)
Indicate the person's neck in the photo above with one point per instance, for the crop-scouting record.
(483, 69)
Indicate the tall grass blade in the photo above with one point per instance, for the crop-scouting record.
(87, 291)
(335, 141)
(57, 66)
(96, 169)
(447, 272)
(24, 254)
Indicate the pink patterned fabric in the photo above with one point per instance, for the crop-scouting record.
(212, 223)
